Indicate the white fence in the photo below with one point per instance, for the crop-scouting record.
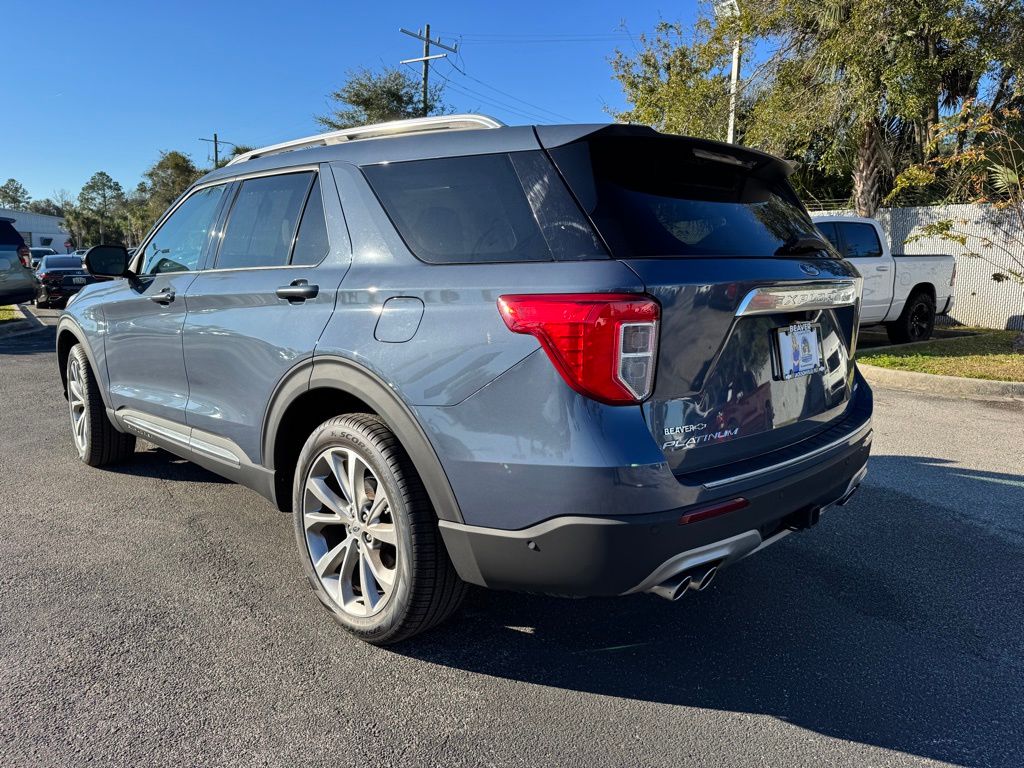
(980, 300)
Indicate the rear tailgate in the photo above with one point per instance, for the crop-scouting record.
(758, 317)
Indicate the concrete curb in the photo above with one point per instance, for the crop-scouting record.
(29, 324)
(936, 384)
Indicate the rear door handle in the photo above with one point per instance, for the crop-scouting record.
(298, 291)
(166, 296)
(882, 268)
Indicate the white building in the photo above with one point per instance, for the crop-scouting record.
(39, 230)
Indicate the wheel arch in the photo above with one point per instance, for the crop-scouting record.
(325, 387)
(925, 288)
(69, 334)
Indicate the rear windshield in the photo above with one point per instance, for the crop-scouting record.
(484, 208)
(662, 197)
(62, 262)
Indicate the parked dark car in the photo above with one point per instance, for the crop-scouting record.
(463, 352)
(17, 284)
(60, 277)
(38, 253)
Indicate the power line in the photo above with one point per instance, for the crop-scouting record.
(509, 95)
(493, 102)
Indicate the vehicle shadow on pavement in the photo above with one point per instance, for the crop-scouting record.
(896, 623)
(150, 461)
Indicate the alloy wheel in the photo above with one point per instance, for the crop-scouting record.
(77, 406)
(350, 532)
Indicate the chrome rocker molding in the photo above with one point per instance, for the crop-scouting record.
(215, 453)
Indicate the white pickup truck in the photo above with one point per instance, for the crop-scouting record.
(904, 292)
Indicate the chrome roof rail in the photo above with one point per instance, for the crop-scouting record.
(393, 128)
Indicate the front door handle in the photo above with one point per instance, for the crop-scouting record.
(298, 291)
(882, 268)
(166, 296)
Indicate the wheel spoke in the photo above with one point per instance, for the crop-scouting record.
(334, 559)
(76, 390)
(384, 532)
(312, 519)
(340, 462)
(323, 493)
(385, 577)
(378, 508)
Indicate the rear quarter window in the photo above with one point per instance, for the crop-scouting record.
(661, 197)
(509, 207)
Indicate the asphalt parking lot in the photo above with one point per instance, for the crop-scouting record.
(156, 615)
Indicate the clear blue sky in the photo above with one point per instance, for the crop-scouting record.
(105, 86)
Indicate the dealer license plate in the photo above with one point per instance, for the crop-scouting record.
(800, 350)
(78, 280)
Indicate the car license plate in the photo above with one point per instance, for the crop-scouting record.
(800, 350)
(78, 280)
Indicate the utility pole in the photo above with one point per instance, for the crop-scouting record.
(426, 59)
(426, 64)
(216, 147)
(730, 9)
(733, 83)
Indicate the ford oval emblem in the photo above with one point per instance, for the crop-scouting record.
(810, 269)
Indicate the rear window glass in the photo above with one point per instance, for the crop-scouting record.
(62, 262)
(654, 197)
(484, 208)
(9, 235)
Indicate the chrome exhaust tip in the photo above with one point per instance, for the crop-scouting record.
(697, 579)
(701, 578)
(673, 588)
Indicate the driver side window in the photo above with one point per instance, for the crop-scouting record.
(179, 243)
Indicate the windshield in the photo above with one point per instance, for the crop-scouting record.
(663, 197)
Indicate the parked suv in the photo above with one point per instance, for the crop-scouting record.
(16, 282)
(578, 360)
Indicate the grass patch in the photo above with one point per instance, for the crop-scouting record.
(988, 355)
(8, 314)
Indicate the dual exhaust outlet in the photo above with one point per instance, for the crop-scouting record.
(696, 579)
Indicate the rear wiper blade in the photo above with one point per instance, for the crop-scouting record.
(802, 244)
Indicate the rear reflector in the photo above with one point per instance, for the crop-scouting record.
(714, 510)
(603, 344)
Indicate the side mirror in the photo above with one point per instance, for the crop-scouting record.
(107, 260)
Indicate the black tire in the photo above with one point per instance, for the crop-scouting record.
(426, 590)
(42, 303)
(102, 444)
(917, 321)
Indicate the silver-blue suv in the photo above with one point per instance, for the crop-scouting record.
(576, 359)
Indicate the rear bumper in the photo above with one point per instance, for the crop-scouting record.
(580, 556)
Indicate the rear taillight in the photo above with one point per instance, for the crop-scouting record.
(25, 255)
(603, 344)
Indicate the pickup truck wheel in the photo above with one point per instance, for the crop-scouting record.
(367, 535)
(917, 321)
(97, 440)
